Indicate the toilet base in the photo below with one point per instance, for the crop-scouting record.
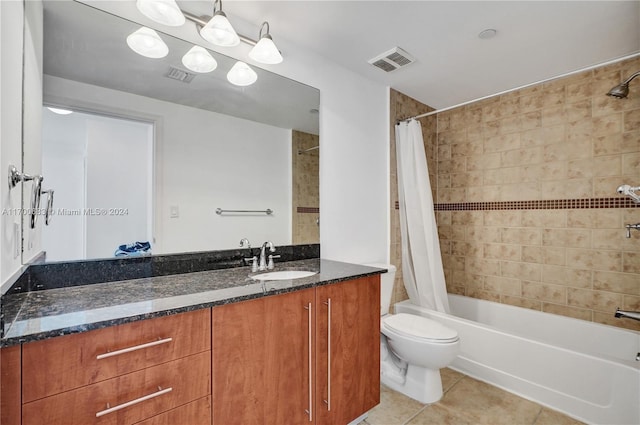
(421, 384)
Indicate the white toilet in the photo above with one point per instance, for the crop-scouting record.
(413, 348)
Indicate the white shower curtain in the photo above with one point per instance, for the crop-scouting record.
(422, 270)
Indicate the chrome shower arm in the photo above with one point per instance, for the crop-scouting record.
(628, 80)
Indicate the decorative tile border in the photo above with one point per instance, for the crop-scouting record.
(309, 210)
(555, 204)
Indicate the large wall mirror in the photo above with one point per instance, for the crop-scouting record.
(152, 151)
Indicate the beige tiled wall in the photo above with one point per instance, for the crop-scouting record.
(305, 193)
(563, 139)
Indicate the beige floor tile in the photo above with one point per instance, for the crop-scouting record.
(437, 414)
(394, 408)
(551, 417)
(486, 404)
(449, 378)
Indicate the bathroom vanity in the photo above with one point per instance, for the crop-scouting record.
(199, 348)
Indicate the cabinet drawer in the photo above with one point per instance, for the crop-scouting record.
(64, 363)
(195, 413)
(132, 397)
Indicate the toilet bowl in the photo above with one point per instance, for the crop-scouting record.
(413, 348)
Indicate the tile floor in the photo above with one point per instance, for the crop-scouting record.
(466, 401)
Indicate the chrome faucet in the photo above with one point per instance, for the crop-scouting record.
(628, 314)
(263, 255)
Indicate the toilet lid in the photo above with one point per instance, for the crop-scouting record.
(419, 327)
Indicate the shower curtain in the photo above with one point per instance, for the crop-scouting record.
(422, 270)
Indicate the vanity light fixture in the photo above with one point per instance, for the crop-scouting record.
(198, 59)
(265, 50)
(218, 30)
(165, 12)
(242, 75)
(147, 42)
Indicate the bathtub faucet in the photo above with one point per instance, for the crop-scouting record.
(628, 314)
(631, 226)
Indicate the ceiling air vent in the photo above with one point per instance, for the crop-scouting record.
(391, 60)
(180, 75)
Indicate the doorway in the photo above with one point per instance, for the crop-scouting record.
(101, 169)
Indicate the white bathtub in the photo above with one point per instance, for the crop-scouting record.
(586, 370)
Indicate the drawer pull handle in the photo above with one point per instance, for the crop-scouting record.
(328, 400)
(132, 402)
(310, 410)
(134, 348)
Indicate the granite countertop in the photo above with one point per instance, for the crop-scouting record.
(37, 315)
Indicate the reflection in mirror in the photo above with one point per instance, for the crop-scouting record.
(150, 153)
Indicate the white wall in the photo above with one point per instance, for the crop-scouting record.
(198, 156)
(64, 149)
(354, 157)
(354, 140)
(11, 36)
(64, 140)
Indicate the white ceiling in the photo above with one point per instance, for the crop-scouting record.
(536, 40)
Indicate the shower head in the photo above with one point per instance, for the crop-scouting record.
(621, 91)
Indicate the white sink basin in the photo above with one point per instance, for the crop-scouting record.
(283, 275)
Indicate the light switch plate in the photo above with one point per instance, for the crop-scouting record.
(174, 211)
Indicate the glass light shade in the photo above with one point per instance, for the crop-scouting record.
(165, 12)
(198, 59)
(147, 42)
(265, 51)
(59, 111)
(241, 74)
(219, 31)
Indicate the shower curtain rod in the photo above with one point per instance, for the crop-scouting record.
(517, 88)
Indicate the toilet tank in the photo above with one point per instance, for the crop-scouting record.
(386, 285)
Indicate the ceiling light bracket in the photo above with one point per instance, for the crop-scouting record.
(265, 23)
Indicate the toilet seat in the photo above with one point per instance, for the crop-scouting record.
(420, 328)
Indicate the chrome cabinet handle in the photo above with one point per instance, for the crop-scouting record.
(328, 400)
(49, 211)
(36, 192)
(134, 348)
(132, 402)
(310, 410)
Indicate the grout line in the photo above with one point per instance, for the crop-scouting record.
(463, 376)
(422, 409)
(537, 416)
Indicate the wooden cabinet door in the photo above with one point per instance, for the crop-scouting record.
(261, 360)
(347, 349)
(10, 383)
